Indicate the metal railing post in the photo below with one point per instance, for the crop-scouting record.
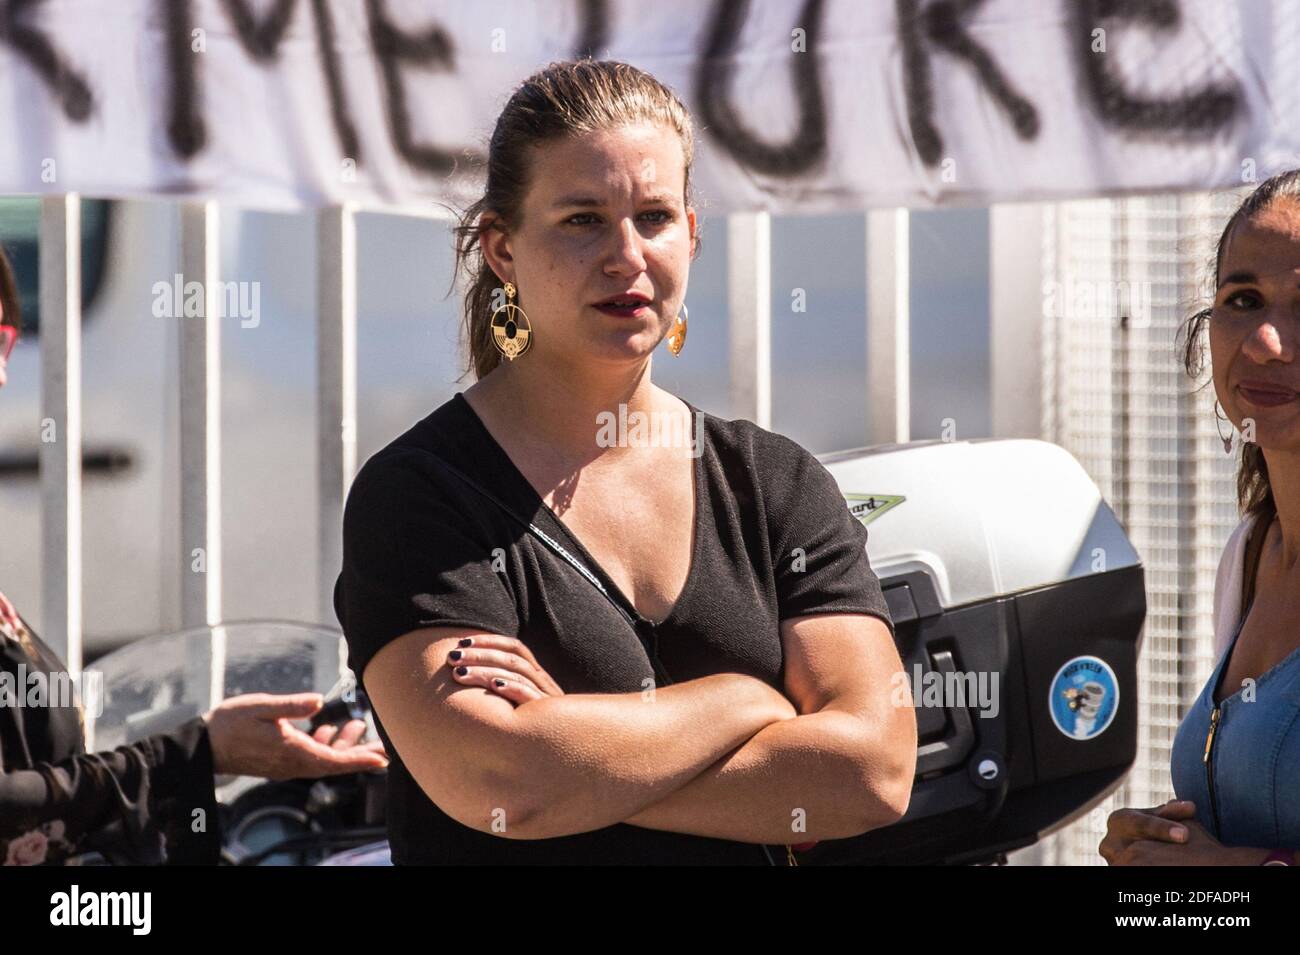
(889, 386)
(336, 399)
(60, 449)
(749, 297)
(1016, 319)
(199, 564)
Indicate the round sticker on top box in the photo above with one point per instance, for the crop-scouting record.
(1084, 697)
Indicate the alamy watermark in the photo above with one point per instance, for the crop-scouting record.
(37, 689)
(1087, 299)
(131, 909)
(181, 299)
(952, 690)
(650, 429)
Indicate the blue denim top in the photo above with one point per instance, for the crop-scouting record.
(1256, 758)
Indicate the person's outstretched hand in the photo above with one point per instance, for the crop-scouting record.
(251, 736)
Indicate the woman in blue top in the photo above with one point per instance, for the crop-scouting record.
(1236, 757)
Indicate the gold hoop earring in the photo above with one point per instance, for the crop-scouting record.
(512, 333)
(677, 337)
(1227, 442)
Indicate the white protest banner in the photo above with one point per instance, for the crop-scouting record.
(801, 105)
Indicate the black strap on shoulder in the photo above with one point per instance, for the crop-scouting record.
(544, 537)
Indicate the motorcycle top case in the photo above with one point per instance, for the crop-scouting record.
(1018, 605)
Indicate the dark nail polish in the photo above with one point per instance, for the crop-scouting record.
(455, 655)
(499, 682)
(465, 641)
(461, 671)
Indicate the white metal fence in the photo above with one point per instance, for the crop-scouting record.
(195, 575)
(1065, 367)
(1122, 276)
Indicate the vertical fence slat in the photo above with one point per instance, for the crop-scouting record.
(60, 449)
(889, 388)
(199, 563)
(749, 297)
(336, 399)
(1016, 319)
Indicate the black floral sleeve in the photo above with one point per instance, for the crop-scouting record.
(152, 802)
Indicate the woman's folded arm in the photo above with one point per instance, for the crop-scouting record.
(842, 767)
(562, 764)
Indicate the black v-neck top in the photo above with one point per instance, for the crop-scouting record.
(773, 539)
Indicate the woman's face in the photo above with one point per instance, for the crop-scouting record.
(1255, 326)
(604, 216)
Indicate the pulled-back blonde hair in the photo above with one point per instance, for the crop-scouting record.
(564, 99)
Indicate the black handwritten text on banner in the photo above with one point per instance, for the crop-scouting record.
(802, 105)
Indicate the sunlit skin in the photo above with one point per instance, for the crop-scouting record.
(1254, 329)
(606, 213)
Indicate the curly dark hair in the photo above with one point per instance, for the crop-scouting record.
(1254, 493)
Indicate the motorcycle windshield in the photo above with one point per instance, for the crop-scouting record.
(157, 683)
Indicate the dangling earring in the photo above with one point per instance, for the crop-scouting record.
(677, 337)
(511, 331)
(1227, 442)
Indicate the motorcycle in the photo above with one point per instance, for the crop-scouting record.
(158, 682)
(1018, 603)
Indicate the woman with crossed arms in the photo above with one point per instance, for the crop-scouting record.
(593, 651)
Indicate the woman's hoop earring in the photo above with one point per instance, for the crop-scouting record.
(1227, 441)
(512, 333)
(677, 337)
